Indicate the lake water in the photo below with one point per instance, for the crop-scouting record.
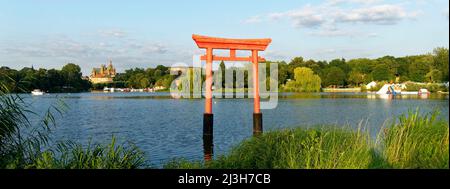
(166, 128)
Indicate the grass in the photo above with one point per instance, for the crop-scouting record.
(25, 151)
(413, 141)
(417, 142)
(74, 156)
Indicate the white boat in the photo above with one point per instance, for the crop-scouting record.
(37, 92)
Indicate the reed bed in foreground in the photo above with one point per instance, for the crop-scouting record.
(416, 141)
(412, 141)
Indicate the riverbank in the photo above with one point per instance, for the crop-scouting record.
(415, 141)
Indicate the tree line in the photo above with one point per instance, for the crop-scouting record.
(427, 68)
(68, 79)
(298, 75)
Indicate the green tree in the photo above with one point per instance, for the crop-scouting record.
(144, 82)
(305, 81)
(381, 73)
(418, 70)
(334, 76)
(356, 78)
(440, 62)
(434, 76)
(72, 76)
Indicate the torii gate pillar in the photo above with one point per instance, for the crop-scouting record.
(257, 115)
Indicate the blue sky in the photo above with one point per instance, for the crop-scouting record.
(50, 33)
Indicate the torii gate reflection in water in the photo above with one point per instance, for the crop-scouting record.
(211, 43)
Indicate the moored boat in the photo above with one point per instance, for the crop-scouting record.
(37, 92)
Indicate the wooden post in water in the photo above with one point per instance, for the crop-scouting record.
(208, 117)
(257, 115)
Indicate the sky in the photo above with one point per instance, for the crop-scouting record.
(51, 33)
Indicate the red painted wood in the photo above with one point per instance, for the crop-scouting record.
(244, 59)
(208, 81)
(256, 105)
(205, 42)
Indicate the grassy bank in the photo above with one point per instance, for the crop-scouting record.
(413, 141)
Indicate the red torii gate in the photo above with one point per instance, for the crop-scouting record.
(211, 43)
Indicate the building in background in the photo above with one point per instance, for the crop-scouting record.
(104, 74)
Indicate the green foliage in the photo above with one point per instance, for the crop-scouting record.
(325, 148)
(440, 62)
(432, 87)
(414, 141)
(334, 76)
(339, 72)
(356, 78)
(70, 155)
(381, 73)
(19, 150)
(181, 163)
(144, 78)
(305, 81)
(16, 147)
(434, 76)
(417, 141)
(68, 79)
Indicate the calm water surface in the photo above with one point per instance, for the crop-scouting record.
(166, 128)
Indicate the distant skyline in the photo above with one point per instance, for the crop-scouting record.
(51, 33)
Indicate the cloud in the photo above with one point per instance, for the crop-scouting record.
(372, 35)
(275, 55)
(334, 13)
(88, 51)
(307, 17)
(333, 33)
(380, 14)
(113, 33)
(253, 20)
(339, 2)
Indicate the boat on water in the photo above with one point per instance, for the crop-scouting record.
(37, 92)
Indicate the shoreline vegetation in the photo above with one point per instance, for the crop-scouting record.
(298, 75)
(412, 141)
